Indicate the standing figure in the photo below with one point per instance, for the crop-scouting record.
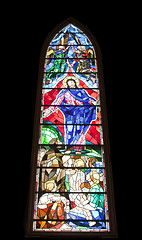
(51, 177)
(85, 62)
(69, 101)
(56, 64)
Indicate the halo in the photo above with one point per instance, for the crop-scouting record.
(70, 78)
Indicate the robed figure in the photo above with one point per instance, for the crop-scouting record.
(78, 108)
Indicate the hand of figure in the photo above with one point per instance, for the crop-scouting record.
(46, 113)
(94, 102)
(68, 63)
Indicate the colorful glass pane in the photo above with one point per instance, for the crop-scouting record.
(71, 191)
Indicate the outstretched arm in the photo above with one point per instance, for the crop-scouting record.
(66, 48)
(52, 109)
(88, 98)
(94, 102)
(73, 49)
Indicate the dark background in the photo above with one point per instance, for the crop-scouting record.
(29, 27)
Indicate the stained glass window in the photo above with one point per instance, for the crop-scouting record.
(71, 188)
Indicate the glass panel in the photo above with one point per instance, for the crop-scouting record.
(72, 225)
(70, 51)
(57, 79)
(70, 38)
(93, 156)
(49, 96)
(54, 68)
(58, 116)
(72, 206)
(70, 34)
(75, 179)
(71, 134)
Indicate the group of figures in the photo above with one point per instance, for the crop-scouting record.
(68, 53)
(71, 187)
(70, 181)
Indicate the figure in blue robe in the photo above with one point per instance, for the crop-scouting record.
(77, 114)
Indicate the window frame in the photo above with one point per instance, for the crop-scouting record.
(109, 180)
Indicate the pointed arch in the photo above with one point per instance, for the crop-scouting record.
(71, 187)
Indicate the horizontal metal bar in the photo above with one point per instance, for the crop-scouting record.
(71, 45)
(74, 192)
(69, 58)
(72, 220)
(85, 145)
(75, 72)
(69, 145)
(73, 88)
(75, 124)
(72, 153)
(72, 167)
(71, 105)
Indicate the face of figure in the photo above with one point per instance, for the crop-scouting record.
(49, 185)
(71, 84)
(79, 163)
(95, 177)
(79, 48)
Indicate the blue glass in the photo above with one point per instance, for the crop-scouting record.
(73, 34)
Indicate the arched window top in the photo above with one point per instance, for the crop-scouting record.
(73, 26)
(78, 38)
(73, 45)
(70, 155)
